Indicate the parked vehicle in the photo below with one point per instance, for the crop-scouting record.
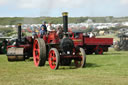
(91, 44)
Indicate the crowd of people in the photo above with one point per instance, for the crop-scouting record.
(45, 29)
(59, 30)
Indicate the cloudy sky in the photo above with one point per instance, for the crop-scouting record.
(54, 8)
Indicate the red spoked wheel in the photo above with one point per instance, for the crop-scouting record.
(54, 58)
(39, 52)
(81, 63)
(99, 50)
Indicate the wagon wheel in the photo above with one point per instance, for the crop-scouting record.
(99, 50)
(54, 58)
(39, 52)
(81, 63)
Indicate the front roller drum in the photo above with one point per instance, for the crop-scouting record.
(15, 54)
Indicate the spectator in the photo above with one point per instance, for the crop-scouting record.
(91, 35)
(42, 31)
(60, 32)
(34, 33)
(50, 27)
(44, 26)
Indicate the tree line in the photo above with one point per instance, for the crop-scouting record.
(58, 20)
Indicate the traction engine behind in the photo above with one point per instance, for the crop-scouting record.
(21, 48)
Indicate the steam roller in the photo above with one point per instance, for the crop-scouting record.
(21, 48)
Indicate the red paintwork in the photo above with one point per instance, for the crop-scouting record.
(91, 44)
(81, 40)
(51, 37)
(98, 41)
(20, 46)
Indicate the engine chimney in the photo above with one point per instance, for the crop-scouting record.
(65, 21)
(19, 32)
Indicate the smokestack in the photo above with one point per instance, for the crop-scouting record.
(65, 21)
(19, 32)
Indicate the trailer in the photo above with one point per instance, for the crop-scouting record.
(91, 45)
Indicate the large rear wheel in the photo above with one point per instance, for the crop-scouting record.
(54, 58)
(39, 52)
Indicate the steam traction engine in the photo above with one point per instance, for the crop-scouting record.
(58, 51)
(21, 48)
(123, 43)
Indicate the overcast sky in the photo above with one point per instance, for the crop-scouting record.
(54, 8)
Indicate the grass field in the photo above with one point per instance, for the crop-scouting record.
(108, 69)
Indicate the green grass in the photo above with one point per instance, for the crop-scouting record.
(108, 69)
